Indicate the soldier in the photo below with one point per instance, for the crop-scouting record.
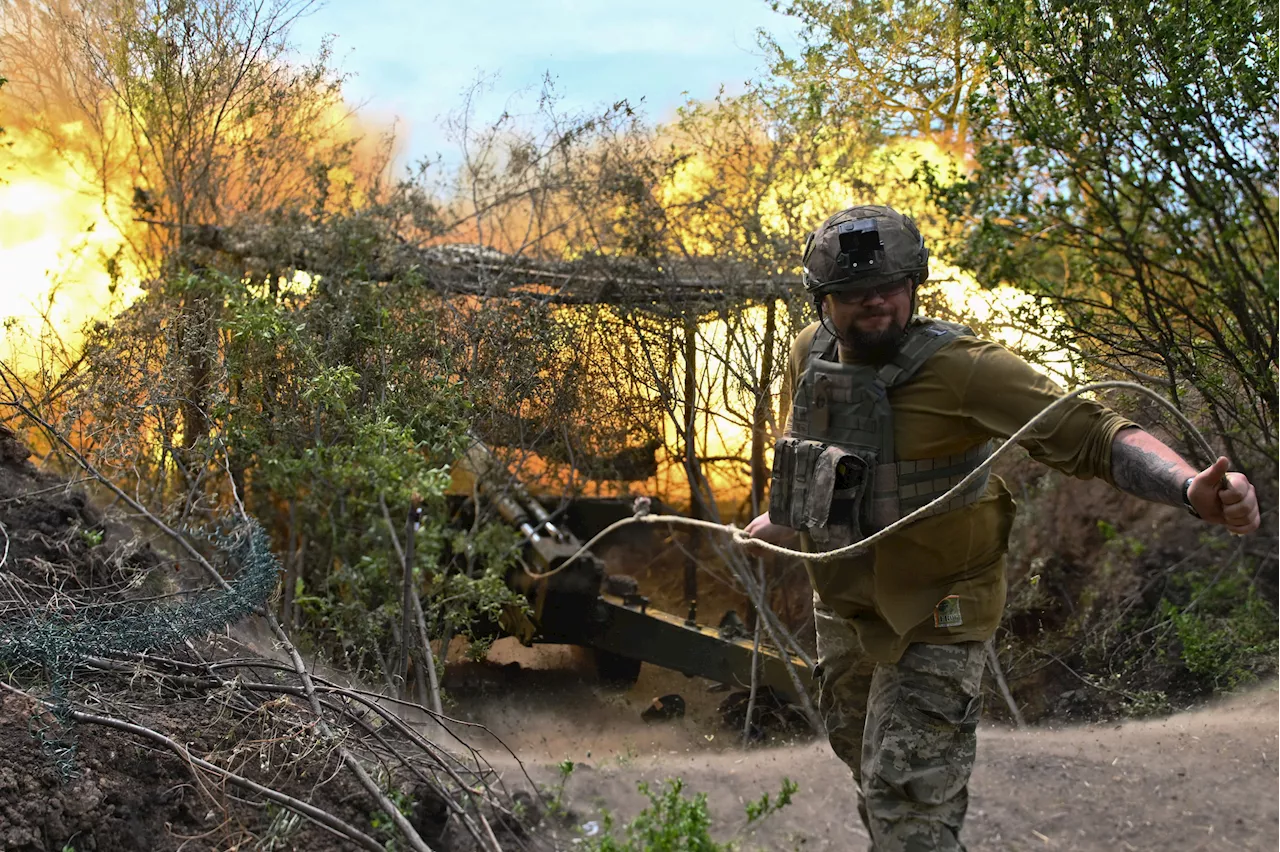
(887, 411)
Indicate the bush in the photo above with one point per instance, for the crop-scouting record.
(1226, 631)
(673, 823)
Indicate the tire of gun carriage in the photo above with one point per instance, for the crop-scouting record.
(615, 670)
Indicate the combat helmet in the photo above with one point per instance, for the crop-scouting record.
(864, 246)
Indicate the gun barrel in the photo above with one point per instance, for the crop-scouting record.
(516, 506)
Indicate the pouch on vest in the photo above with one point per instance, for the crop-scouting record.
(821, 489)
(793, 461)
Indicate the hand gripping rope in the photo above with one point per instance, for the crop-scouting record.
(741, 537)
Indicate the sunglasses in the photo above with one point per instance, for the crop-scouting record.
(862, 294)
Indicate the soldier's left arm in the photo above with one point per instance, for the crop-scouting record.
(1144, 466)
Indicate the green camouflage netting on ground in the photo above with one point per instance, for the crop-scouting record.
(55, 644)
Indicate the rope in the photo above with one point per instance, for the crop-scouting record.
(741, 537)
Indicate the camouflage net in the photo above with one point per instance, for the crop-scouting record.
(58, 643)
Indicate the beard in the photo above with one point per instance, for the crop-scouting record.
(875, 347)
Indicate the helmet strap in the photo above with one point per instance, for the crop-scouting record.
(822, 318)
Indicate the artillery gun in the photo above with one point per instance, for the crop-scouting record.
(581, 604)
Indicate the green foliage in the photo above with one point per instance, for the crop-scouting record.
(382, 823)
(673, 823)
(670, 823)
(1145, 702)
(325, 401)
(339, 403)
(1226, 631)
(888, 69)
(763, 807)
(1118, 543)
(555, 803)
(282, 829)
(1125, 173)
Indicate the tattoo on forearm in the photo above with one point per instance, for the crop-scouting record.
(1145, 474)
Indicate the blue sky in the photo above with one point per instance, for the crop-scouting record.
(415, 60)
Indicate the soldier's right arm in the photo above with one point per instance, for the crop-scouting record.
(766, 530)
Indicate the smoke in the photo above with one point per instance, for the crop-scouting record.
(120, 120)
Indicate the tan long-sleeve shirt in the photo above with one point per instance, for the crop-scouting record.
(942, 579)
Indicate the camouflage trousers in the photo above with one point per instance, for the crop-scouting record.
(907, 730)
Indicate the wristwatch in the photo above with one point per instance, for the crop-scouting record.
(1186, 497)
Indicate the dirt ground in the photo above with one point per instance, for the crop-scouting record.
(1198, 780)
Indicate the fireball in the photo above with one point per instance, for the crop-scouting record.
(61, 245)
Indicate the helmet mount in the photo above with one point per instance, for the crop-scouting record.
(861, 249)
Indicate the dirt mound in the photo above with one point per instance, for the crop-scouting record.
(53, 541)
(122, 798)
(202, 744)
(126, 794)
(64, 784)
